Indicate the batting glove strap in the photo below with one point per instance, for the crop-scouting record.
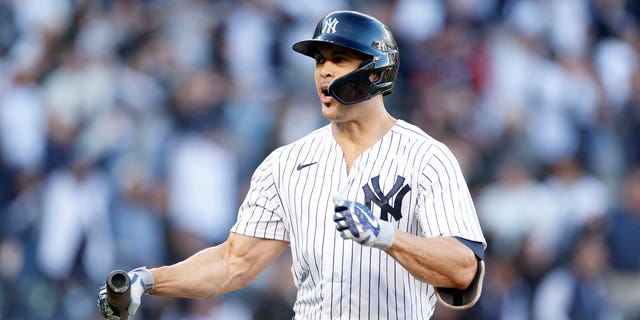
(145, 276)
(385, 238)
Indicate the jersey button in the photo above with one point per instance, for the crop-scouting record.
(336, 276)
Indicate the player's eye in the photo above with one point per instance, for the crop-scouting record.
(339, 59)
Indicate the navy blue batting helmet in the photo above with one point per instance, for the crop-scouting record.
(365, 34)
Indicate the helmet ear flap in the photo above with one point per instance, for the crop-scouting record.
(386, 80)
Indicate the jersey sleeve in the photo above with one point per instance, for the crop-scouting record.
(261, 212)
(445, 207)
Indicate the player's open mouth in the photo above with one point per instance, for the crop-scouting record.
(325, 97)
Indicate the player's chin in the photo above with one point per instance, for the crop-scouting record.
(331, 111)
(329, 107)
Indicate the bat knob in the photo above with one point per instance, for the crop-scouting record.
(119, 292)
(118, 281)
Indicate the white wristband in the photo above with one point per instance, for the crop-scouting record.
(146, 276)
(384, 240)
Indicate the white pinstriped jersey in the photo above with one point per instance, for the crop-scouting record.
(407, 176)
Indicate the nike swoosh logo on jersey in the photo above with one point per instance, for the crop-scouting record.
(302, 166)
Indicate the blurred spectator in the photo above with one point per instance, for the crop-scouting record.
(22, 123)
(628, 124)
(577, 290)
(624, 226)
(139, 225)
(569, 27)
(510, 207)
(80, 88)
(223, 308)
(20, 220)
(249, 27)
(202, 188)
(417, 21)
(75, 222)
(201, 170)
(615, 61)
(623, 240)
(506, 294)
(582, 199)
(297, 117)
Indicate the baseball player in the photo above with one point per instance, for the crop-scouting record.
(376, 212)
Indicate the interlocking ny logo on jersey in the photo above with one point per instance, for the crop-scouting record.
(382, 200)
(329, 25)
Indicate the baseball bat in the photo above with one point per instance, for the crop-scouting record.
(119, 293)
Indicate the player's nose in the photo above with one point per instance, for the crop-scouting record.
(326, 70)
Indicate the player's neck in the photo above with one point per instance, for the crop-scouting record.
(356, 136)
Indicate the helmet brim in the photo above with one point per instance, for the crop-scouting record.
(308, 47)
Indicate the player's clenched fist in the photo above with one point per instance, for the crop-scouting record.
(141, 282)
(356, 222)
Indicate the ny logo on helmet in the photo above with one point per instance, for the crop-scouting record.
(329, 25)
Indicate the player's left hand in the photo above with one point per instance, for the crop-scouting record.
(356, 222)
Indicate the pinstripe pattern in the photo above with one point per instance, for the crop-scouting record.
(338, 279)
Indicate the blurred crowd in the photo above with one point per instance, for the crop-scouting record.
(129, 130)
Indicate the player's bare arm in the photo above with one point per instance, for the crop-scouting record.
(217, 270)
(443, 261)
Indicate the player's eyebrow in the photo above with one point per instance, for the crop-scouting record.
(343, 52)
(335, 50)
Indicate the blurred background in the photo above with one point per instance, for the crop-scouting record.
(129, 131)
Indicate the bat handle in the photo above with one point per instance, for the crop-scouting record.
(119, 293)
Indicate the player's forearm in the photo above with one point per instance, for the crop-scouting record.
(443, 262)
(206, 274)
(217, 270)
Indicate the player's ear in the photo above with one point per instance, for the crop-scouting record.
(463, 299)
(374, 76)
